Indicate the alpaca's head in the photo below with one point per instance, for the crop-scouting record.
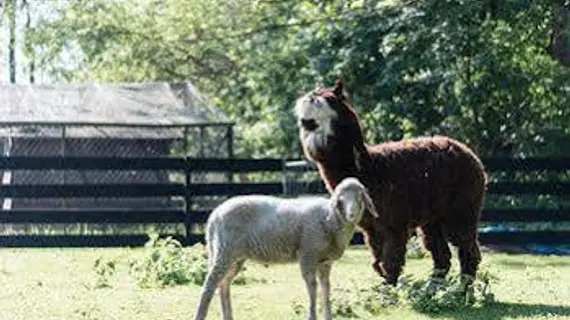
(350, 199)
(324, 115)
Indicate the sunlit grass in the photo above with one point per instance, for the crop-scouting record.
(61, 284)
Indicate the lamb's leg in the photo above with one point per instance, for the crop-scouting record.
(394, 255)
(225, 298)
(308, 270)
(434, 240)
(218, 270)
(324, 271)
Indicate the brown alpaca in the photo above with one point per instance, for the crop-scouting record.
(435, 184)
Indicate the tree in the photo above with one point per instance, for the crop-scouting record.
(559, 38)
(480, 71)
(10, 10)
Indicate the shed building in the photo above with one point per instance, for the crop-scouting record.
(106, 120)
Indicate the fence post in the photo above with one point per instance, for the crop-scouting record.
(230, 141)
(188, 199)
(284, 182)
(63, 154)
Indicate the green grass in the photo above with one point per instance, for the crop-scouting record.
(62, 284)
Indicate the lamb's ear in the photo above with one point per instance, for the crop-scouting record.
(336, 209)
(369, 204)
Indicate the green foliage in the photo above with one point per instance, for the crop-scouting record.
(166, 264)
(461, 68)
(104, 270)
(415, 249)
(413, 293)
(449, 298)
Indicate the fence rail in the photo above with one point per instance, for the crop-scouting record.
(188, 190)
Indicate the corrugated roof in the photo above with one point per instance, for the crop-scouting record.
(130, 103)
(120, 105)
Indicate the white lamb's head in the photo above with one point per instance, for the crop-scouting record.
(350, 199)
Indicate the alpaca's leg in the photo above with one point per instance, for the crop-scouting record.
(435, 241)
(394, 255)
(324, 271)
(469, 257)
(218, 270)
(308, 270)
(225, 284)
(374, 241)
(464, 236)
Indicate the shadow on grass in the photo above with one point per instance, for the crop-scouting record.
(524, 264)
(501, 310)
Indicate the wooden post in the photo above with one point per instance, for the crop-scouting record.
(63, 153)
(188, 183)
(7, 174)
(230, 140)
(201, 142)
(188, 200)
(185, 142)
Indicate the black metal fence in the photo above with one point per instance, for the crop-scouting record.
(528, 198)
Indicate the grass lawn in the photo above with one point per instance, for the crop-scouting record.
(59, 284)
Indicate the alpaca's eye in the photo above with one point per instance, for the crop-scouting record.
(309, 124)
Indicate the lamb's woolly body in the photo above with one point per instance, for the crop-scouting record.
(274, 230)
(314, 231)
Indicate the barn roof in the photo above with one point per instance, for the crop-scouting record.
(115, 109)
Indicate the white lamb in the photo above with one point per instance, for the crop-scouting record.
(314, 231)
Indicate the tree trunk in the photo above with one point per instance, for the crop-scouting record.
(30, 49)
(11, 7)
(560, 40)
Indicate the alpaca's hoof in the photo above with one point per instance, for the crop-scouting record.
(376, 265)
(434, 284)
(464, 285)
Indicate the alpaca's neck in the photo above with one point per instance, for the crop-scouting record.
(341, 159)
(337, 166)
(333, 173)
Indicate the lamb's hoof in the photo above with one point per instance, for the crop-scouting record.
(433, 285)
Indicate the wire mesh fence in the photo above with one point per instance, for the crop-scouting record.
(300, 178)
(204, 140)
(89, 140)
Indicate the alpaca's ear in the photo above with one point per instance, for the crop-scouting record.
(338, 89)
(341, 92)
(369, 204)
(319, 86)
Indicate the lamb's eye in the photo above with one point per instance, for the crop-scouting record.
(340, 205)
